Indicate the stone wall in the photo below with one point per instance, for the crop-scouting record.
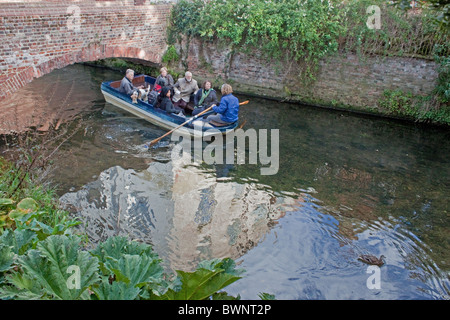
(342, 80)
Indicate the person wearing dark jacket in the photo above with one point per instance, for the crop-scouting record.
(164, 79)
(165, 101)
(204, 98)
(126, 85)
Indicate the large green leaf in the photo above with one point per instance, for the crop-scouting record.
(6, 257)
(115, 247)
(19, 240)
(59, 268)
(116, 291)
(131, 264)
(227, 265)
(200, 284)
(135, 270)
(24, 207)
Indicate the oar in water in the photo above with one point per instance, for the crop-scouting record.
(153, 142)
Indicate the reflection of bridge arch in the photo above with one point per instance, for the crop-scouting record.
(38, 38)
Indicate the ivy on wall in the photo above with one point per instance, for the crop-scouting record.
(307, 30)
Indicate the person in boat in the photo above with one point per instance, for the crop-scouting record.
(126, 85)
(183, 89)
(164, 79)
(165, 101)
(227, 112)
(204, 98)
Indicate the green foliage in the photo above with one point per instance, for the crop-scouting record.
(19, 240)
(6, 257)
(117, 269)
(398, 103)
(46, 272)
(205, 282)
(306, 31)
(13, 191)
(170, 55)
(442, 7)
(419, 108)
(27, 215)
(442, 58)
(266, 296)
(132, 265)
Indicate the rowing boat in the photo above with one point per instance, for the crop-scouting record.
(157, 116)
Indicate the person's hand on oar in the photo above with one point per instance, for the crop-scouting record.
(153, 142)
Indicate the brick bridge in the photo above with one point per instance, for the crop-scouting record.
(40, 36)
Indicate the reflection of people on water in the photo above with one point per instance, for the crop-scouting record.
(227, 112)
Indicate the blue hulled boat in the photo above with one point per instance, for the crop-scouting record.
(147, 111)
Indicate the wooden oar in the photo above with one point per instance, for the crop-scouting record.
(186, 122)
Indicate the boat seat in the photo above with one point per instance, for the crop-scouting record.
(137, 81)
(115, 84)
(217, 124)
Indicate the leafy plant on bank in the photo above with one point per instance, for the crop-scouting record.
(118, 269)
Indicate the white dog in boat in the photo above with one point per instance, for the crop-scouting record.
(141, 94)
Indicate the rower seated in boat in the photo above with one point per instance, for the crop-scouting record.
(227, 112)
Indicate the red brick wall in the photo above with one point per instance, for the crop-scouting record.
(38, 36)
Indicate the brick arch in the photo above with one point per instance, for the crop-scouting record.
(94, 53)
(38, 38)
